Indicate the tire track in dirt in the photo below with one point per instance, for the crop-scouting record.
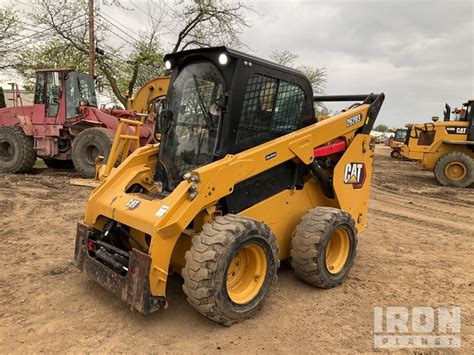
(422, 221)
(423, 206)
(411, 254)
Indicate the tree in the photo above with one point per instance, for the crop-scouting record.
(8, 36)
(210, 22)
(197, 23)
(315, 75)
(284, 57)
(58, 54)
(381, 128)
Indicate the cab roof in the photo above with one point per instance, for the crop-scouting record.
(180, 57)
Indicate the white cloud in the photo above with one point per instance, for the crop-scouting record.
(419, 52)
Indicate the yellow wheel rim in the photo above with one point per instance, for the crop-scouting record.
(455, 170)
(246, 273)
(337, 251)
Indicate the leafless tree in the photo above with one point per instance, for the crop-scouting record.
(316, 75)
(210, 22)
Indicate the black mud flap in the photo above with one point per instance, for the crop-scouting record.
(133, 288)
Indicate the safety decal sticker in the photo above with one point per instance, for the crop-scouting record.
(132, 204)
(270, 156)
(162, 211)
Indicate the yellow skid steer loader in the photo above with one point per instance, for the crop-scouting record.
(242, 178)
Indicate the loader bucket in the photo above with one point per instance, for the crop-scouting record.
(133, 288)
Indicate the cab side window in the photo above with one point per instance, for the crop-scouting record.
(271, 108)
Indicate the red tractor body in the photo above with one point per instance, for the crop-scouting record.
(65, 106)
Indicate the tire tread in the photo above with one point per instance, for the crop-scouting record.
(28, 156)
(201, 262)
(306, 243)
(450, 157)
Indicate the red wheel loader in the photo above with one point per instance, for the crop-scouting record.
(64, 126)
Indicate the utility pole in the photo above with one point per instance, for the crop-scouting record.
(91, 38)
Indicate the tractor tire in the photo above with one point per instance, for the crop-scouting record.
(59, 164)
(454, 169)
(324, 247)
(230, 269)
(395, 154)
(89, 144)
(17, 154)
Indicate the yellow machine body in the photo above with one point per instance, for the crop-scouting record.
(333, 167)
(152, 90)
(166, 220)
(428, 142)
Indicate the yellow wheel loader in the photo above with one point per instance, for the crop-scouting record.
(397, 141)
(446, 148)
(242, 178)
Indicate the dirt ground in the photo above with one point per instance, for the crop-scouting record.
(416, 251)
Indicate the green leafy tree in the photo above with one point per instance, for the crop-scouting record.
(381, 128)
(125, 68)
(9, 29)
(60, 54)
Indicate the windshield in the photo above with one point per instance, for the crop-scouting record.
(400, 135)
(191, 140)
(79, 87)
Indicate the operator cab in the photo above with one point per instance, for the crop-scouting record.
(464, 114)
(50, 85)
(211, 111)
(400, 135)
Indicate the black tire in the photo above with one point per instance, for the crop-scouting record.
(17, 154)
(89, 144)
(454, 169)
(310, 242)
(395, 153)
(207, 267)
(59, 164)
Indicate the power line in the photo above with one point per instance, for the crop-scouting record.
(119, 36)
(117, 28)
(44, 31)
(112, 19)
(169, 7)
(138, 7)
(33, 37)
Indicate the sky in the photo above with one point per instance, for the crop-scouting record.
(420, 53)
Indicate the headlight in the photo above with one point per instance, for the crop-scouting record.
(168, 64)
(223, 59)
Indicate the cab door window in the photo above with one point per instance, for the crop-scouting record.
(53, 93)
(39, 88)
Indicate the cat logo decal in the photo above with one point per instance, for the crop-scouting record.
(354, 174)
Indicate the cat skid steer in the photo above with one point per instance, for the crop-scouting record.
(243, 177)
